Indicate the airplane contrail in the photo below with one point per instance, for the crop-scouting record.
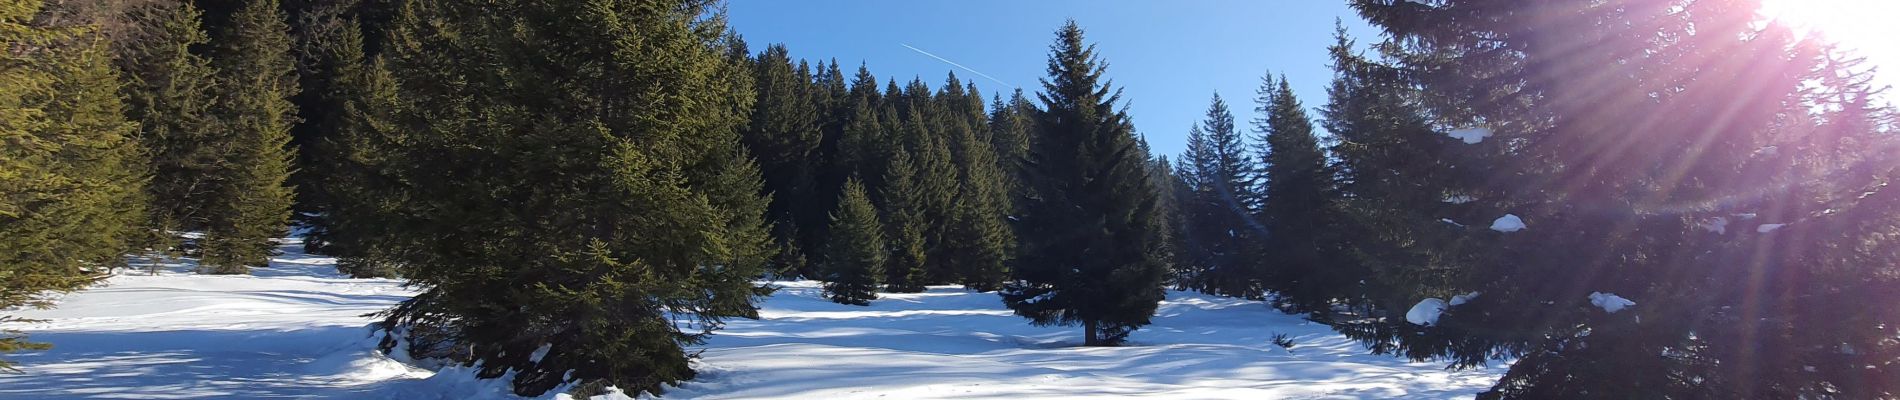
(954, 63)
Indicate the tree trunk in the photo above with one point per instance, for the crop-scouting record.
(1089, 336)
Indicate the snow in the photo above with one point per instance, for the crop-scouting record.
(1460, 199)
(1470, 135)
(1449, 221)
(1719, 225)
(1610, 303)
(1463, 298)
(1507, 224)
(1765, 228)
(1426, 312)
(296, 329)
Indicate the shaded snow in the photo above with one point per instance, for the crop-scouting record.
(1609, 302)
(1765, 228)
(1426, 312)
(1460, 199)
(1507, 223)
(298, 330)
(1719, 225)
(1463, 298)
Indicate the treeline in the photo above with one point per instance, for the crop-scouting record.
(1624, 199)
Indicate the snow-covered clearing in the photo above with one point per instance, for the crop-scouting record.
(297, 329)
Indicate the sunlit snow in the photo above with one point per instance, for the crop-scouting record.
(297, 330)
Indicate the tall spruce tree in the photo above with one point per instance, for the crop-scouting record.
(1091, 238)
(1395, 174)
(784, 136)
(574, 178)
(250, 203)
(854, 257)
(1299, 249)
(168, 91)
(70, 168)
(978, 244)
(1220, 227)
(900, 206)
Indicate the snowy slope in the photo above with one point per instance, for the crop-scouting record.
(297, 329)
(952, 343)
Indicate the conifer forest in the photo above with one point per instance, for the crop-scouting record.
(616, 199)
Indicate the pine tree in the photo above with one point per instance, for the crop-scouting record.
(573, 178)
(70, 170)
(784, 136)
(855, 254)
(329, 51)
(356, 189)
(1010, 125)
(251, 204)
(1300, 252)
(1220, 225)
(168, 91)
(900, 205)
(1091, 238)
(978, 244)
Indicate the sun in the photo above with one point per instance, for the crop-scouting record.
(1870, 27)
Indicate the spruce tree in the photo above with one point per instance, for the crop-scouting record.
(854, 257)
(978, 244)
(900, 205)
(573, 178)
(784, 136)
(1297, 207)
(70, 169)
(356, 188)
(1220, 225)
(1092, 251)
(168, 91)
(251, 204)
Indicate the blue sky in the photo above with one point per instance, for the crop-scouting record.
(1169, 56)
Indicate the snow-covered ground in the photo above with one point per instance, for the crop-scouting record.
(296, 329)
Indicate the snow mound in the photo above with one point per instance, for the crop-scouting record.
(1463, 298)
(1426, 312)
(1507, 224)
(1460, 199)
(1469, 135)
(1719, 225)
(1765, 228)
(1610, 303)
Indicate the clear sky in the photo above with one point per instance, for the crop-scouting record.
(1169, 56)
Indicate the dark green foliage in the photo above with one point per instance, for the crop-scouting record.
(854, 257)
(571, 175)
(356, 185)
(1219, 251)
(70, 169)
(904, 272)
(1090, 232)
(1300, 249)
(250, 203)
(784, 136)
(978, 244)
(168, 91)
